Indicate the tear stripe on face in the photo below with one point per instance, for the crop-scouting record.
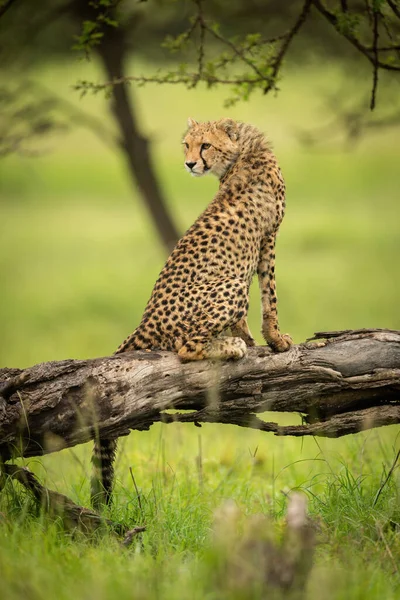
(206, 167)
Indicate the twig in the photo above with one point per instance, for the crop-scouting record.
(285, 46)
(394, 8)
(239, 53)
(176, 79)
(137, 491)
(5, 6)
(369, 11)
(202, 25)
(376, 68)
(130, 535)
(393, 46)
(199, 461)
(73, 515)
(388, 476)
(384, 48)
(333, 20)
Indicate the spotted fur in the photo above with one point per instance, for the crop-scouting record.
(203, 289)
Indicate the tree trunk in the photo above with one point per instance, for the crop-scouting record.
(347, 383)
(134, 145)
(112, 52)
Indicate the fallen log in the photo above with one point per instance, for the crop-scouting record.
(74, 517)
(342, 382)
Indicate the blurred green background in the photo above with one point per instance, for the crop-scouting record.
(79, 254)
(79, 257)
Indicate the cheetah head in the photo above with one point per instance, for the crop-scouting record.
(210, 147)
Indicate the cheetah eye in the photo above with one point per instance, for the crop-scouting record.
(205, 146)
(186, 145)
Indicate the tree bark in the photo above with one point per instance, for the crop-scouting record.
(348, 382)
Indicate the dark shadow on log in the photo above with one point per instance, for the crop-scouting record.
(347, 383)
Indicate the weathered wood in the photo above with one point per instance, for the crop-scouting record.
(349, 382)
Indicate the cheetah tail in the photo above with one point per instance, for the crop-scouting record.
(103, 472)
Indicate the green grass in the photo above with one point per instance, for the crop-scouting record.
(78, 258)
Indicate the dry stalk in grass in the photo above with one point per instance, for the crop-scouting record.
(255, 560)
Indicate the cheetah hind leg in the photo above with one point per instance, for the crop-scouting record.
(224, 348)
(241, 329)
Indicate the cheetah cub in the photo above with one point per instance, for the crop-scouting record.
(203, 289)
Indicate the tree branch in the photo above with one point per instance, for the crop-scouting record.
(6, 4)
(376, 60)
(259, 59)
(58, 505)
(394, 7)
(349, 382)
(333, 20)
(285, 46)
(74, 517)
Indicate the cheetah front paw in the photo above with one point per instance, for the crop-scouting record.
(281, 343)
(238, 349)
(229, 348)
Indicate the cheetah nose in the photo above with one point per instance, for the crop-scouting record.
(190, 165)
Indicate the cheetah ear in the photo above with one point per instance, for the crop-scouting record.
(230, 128)
(191, 122)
